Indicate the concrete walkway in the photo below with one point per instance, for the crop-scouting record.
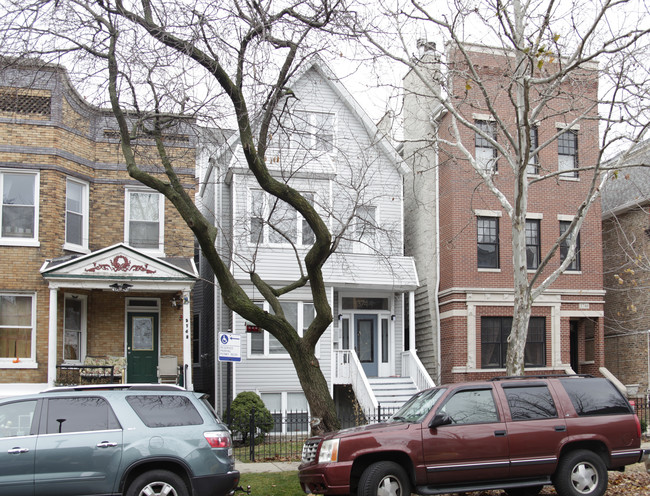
(261, 467)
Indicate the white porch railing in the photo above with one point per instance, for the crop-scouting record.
(348, 370)
(412, 367)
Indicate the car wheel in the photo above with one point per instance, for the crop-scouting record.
(384, 479)
(157, 483)
(581, 473)
(524, 491)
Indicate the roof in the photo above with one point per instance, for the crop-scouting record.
(630, 187)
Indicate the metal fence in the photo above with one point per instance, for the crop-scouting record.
(642, 409)
(288, 432)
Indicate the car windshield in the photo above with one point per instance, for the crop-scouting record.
(415, 409)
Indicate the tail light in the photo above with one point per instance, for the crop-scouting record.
(638, 426)
(218, 439)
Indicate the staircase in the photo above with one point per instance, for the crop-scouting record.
(392, 392)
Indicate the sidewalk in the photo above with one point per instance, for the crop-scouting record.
(261, 467)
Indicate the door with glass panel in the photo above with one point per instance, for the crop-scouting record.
(365, 343)
(142, 347)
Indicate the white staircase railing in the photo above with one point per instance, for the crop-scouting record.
(348, 370)
(412, 367)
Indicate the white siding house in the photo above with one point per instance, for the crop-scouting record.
(327, 148)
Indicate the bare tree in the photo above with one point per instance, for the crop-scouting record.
(226, 60)
(551, 56)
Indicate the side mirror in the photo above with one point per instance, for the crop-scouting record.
(439, 419)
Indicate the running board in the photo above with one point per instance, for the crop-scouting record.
(482, 486)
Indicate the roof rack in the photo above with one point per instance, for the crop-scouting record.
(541, 376)
(116, 387)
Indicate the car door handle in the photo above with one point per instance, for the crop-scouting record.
(560, 428)
(499, 433)
(106, 444)
(18, 451)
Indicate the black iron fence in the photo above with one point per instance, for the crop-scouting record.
(642, 409)
(283, 439)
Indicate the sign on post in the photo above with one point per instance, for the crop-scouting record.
(229, 347)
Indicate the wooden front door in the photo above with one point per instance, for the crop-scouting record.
(142, 347)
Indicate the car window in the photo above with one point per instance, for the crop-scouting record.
(165, 410)
(16, 418)
(595, 397)
(79, 414)
(530, 402)
(471, 407)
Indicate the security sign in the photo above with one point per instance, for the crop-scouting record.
(229, 347)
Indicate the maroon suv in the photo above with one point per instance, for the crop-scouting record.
(516, 434)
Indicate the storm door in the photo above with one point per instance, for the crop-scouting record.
(142, 347)
(365, 343)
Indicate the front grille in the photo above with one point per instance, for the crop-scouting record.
(309, 450)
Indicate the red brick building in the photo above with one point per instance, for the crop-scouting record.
(461, 236)
(97, 269)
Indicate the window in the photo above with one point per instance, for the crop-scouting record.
(595, 396)
(289, 410)
(567, 150)
(74, 332)
(16, 418)
(300, 315)
(19, 214)
(533, 160)
(530, 402)
(564, 247)
(274, 221)
(306, 130)
(494, 342)
(366, 228)
(165, 410)
(80, 414)
(533, 245)
(471, 407)
(76, 216)
(16, 327)
(144, 220)
(485, 152)
(488, 242)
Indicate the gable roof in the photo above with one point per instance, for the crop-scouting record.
(631, 186)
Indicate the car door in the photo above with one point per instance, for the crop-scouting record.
(474, 446)
(79, 447)
(535, 430)
(17, 447)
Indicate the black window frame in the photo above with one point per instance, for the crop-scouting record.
(501, 327)
(533, 243)
(489, 128)
(532, 168)
(564, 247)
(567, 146)
(487, 259)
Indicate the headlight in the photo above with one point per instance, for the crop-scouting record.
(329, 451)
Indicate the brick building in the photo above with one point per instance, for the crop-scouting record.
(626, 251)
(461, 236)
(96, 267)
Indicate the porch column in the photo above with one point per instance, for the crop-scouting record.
(412, 320)
(52, 341)
(187, 341)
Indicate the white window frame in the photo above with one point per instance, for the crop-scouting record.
(23, 362)
(85, 213)
(366, 242)
(284, 408)
(161, 220)
(83, 338)
(486, 156)
(301, 131)
(265, 239)
(300, 324)
(34, 239)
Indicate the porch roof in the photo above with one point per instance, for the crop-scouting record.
(120, 264)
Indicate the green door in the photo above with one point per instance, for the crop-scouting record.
(142, 347)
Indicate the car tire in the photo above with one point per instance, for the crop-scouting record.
(157, 482)
(581, 473)
(524, 491)
(387, 478)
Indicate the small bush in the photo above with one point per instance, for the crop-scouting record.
(240, 412)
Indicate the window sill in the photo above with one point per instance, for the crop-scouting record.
(76, 248)
(588, 362)
(8, 363)
(572, 272)
(20, 242)
(485, 269)
(564, 178)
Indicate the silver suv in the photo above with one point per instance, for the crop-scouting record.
(131, 440)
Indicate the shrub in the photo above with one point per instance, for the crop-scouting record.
(240, 413)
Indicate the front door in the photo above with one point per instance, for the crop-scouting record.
(365, 342)
(142, 347)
